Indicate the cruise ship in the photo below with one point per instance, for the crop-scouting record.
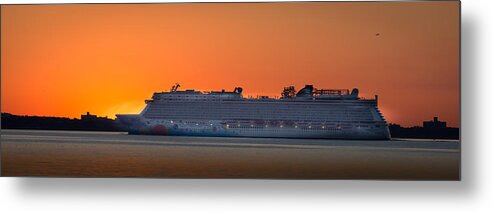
(307, 113)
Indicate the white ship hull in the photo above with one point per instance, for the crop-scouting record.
(217, 128)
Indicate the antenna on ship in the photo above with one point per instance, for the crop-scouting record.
(175, 87)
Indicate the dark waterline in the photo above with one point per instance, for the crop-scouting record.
(115, 154)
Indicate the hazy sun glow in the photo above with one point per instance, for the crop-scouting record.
(64, 60)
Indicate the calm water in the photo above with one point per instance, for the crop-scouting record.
(109, 154)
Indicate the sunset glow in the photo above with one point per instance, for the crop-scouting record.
(64, 60)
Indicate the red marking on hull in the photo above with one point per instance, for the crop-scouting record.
(159, 129)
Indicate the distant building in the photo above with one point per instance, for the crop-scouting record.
(435, 124)
(90, 117)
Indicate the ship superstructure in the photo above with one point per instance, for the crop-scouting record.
(308, 113)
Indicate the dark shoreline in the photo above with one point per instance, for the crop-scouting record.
(90, 122)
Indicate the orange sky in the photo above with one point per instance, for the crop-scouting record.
(64, 60)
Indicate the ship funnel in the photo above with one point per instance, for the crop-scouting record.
(238, 90)
(355, 92)
(306, 91)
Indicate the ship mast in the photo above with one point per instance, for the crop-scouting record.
(175, 87)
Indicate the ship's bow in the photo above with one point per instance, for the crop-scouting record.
(132, 123)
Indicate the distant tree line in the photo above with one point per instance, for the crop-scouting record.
(424, 132)
(10, 121)
(93, 123)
